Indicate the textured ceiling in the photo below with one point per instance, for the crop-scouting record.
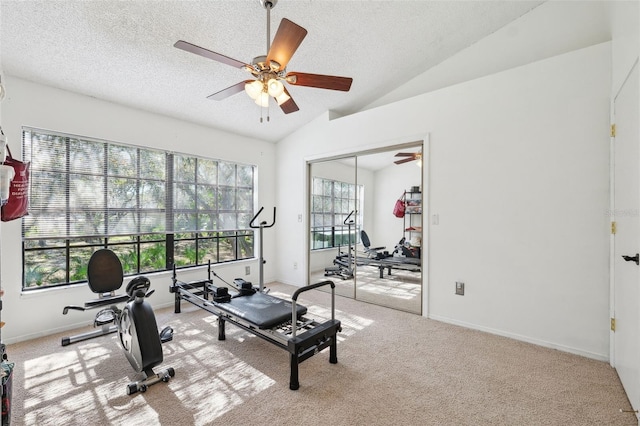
(122, 51)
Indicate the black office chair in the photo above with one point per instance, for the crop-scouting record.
(105, 277)
(374, 252)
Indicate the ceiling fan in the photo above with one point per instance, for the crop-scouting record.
(270, 71)
(411, 156)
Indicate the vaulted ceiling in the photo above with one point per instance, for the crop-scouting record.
(122, 51)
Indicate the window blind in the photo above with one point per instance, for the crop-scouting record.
(83, 187)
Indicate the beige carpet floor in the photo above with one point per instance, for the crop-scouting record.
(394, 368)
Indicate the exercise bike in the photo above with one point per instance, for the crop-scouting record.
(135, 323)
(138, 334)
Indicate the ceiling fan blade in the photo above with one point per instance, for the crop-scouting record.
(229, 91)
(406, 160)
(192, 48)
(405, 154)
(320, 81)
(289, 106)
(286, 42)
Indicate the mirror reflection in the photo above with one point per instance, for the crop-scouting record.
(371, 250)
(335, 213)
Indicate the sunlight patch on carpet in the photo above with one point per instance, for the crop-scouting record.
(218, 382)
(77, 382)
(57, 384)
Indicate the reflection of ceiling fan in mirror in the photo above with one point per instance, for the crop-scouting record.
(269, 72)
(410, 156)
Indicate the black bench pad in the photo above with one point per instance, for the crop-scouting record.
(262, 310)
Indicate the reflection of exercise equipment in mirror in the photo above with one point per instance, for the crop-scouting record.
(344, 261)
(135, 323)
(278, 321)
(371, 251)
(401, 258)
(377, 182)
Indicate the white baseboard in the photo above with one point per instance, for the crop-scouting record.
(61, 329)
(44, 333)
(544, 343)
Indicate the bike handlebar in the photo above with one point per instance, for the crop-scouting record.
(347, 218)
(264, 223)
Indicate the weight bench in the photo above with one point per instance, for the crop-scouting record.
(273, 319)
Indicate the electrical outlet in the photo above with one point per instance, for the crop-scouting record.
(460, 288)
(247, 270)
(295, 265)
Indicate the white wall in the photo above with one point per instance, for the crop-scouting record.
(625, 24)
(519, 179)
(33, 314)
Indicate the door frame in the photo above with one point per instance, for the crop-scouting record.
(612, 216)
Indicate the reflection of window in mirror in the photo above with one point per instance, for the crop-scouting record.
(332, 204)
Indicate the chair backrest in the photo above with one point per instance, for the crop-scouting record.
(365, 239)
(104, 272)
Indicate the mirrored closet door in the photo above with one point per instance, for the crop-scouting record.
(356, 240)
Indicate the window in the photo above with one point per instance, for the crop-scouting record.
(153, 208)
(331, 203)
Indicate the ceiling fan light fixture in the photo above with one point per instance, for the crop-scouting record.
(253, 89)
(270, 71)
(275, 87)
(263, 99)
